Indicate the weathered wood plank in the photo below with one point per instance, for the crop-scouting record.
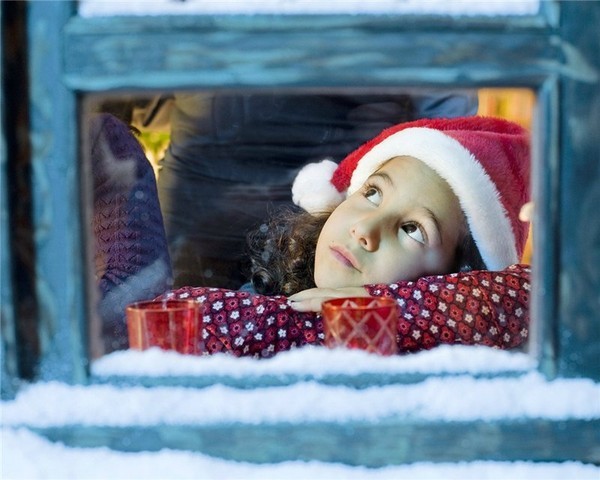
(373, 444)
(355, 380)
(337, 57)
(58, 203)
(8, 346)
(579, 221)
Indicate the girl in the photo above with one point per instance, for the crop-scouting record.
(395, 218)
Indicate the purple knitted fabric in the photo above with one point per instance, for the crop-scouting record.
(131, 255)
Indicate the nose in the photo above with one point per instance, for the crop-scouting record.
(367, 233)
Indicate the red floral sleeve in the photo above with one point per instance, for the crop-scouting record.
(476, 308)
(243, 323)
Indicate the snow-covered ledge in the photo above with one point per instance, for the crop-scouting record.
(400, 422)
(91, 8)
(460, 397)
(315, 362)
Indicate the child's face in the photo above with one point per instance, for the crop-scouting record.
(405, 222)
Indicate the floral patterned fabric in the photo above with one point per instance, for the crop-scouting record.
(473, 308)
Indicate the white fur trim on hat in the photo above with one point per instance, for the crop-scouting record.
(478, 196)
(312, 189)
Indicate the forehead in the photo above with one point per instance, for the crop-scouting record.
(404, 168)
(415, 185)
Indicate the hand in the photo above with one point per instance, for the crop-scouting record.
(310, 300)
(526, 212)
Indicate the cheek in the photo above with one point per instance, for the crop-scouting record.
(405, 266)
(329, 233)
(437, 261)
(322, 243)
(321, 251)
(318, 266)
(406, 271)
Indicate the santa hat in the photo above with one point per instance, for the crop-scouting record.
(484, 160)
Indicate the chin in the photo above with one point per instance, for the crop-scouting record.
(329, 283)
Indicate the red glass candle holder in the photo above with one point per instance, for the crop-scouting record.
(367, 323)
(168, 324)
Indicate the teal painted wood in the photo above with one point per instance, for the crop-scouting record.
(338, 51)
(358, 381)
(9, 372)
(8, 347)
(390, 441)
(545, 178)
(56, 184)
(579, 221)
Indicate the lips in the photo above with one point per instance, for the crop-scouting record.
(344, 256)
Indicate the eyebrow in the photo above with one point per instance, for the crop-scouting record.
(384, 176)
(427, 210)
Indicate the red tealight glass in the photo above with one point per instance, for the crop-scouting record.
(366, 323)
(168, 324)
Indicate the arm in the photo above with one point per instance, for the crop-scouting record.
(474, 308)
(247, 324)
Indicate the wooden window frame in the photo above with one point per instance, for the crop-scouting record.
(551, 52)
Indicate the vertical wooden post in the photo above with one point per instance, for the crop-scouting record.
(57, 216)
(8, 355)
(579, 221)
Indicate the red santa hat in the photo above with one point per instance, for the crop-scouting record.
(485, 161)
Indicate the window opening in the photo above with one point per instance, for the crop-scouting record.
(143, 121)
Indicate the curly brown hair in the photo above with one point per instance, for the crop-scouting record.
(282, 252)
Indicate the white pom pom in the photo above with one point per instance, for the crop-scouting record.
(312, 189)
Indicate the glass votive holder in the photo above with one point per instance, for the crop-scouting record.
(366, 323)
(168, 324)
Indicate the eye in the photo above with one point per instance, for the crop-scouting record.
(415, 231)
(373, 195)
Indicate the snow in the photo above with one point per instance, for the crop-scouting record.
(315, 361)
(51, 404)
(513, 396)
(91, 8)
(523, 394)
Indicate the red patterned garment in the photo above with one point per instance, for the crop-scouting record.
(472, 308)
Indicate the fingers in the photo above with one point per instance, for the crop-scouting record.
(305, 294)
(526, 213)
(310, 300)
(308, 305)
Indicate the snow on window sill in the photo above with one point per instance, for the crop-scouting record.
(316, 361)
(91, 8)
